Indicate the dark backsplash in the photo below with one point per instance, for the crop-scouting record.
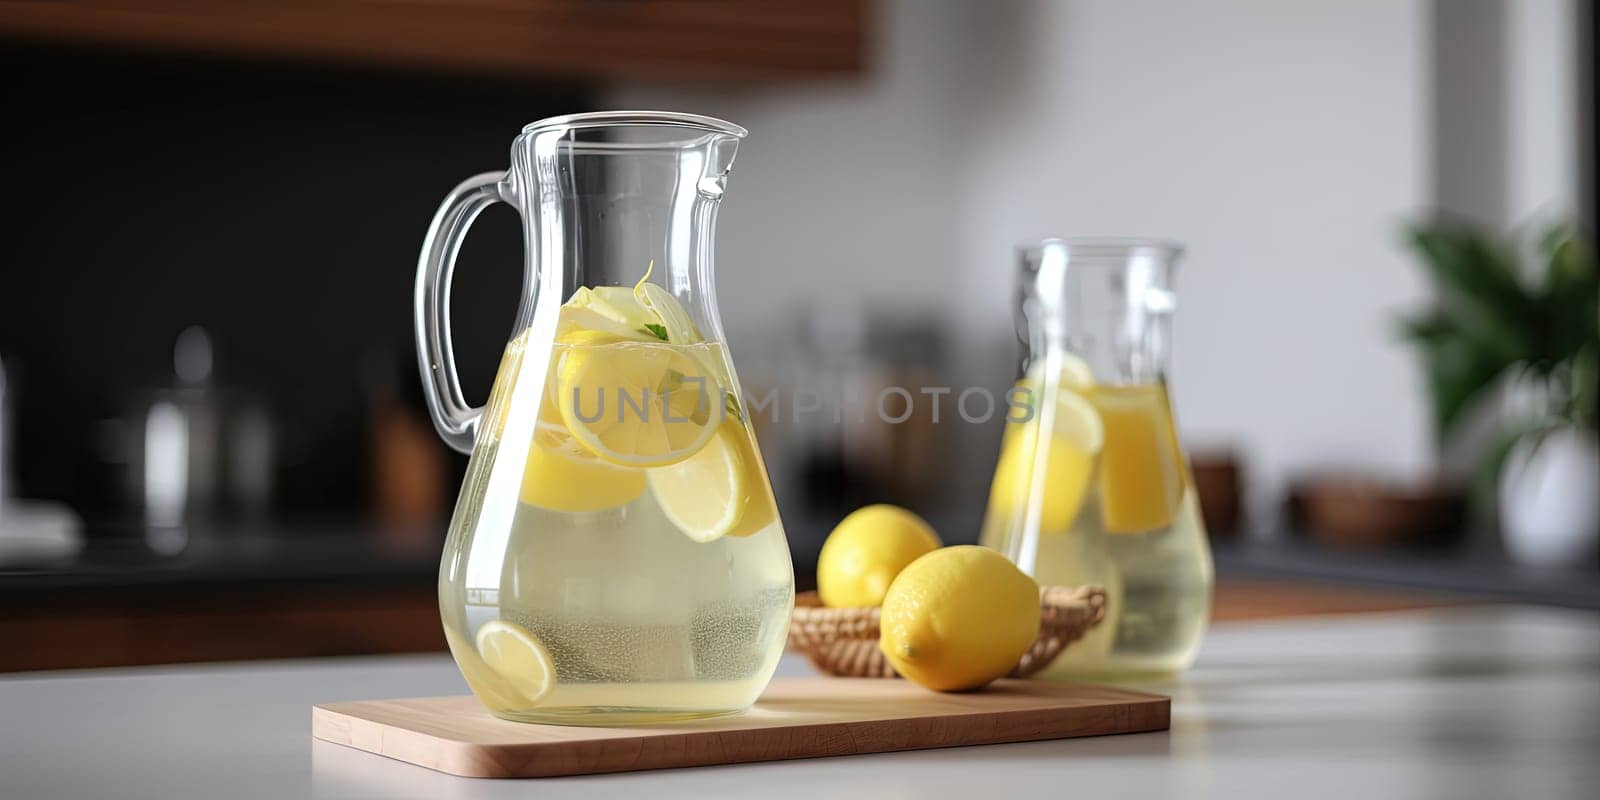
(280, 208)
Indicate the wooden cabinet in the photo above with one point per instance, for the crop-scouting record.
(136, 628)
(720, 40)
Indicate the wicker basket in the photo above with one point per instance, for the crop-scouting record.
(844, 641)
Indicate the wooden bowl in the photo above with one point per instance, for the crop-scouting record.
(1361, 513)
(1219, 485)
(844, 641)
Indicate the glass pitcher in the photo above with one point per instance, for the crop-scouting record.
(615, 554)
(1108, 499)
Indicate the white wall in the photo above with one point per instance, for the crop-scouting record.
(845, 190)
(1284, 142)
(1510, 110)
(1508, 149)
(1543, 115)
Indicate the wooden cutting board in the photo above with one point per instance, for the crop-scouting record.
(795, 718)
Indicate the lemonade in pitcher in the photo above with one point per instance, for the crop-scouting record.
(1092, 486)
(616, 555)
(648, 569)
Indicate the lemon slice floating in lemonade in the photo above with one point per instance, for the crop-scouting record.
(634, 388)
(561, 476)
(646, 312)
(1142, 471)
(719, 491)
(604, 313)
(636, 404)
(496, 692)
(509, 667)
(674, 320)
(1119, 439)
(1077, 437)
(516, 655)
(1075, 372)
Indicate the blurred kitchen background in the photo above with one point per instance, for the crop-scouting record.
(212, 439)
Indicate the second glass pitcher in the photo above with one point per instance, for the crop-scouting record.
(615, 555)
(1092, 486)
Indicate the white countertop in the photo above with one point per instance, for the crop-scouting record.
(1482, 702)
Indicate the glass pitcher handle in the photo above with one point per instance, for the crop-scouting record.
(456, 421)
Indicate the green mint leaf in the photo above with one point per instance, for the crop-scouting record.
(659, 331)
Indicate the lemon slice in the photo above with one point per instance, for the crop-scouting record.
(1077, 423)
(586, 324)
(617, 300)
(673, 318)
(680, 328)
(1068, 463)
(496, 692)
(514, 654)
(636, 404)
(556, 437)
(1075, 372)
(646, 312)
(581, 337)
(1075, 375)
(719, 491)
(560, 476)
(603, 313)
(1142, 470)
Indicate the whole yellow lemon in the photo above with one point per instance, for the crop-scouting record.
(958, 617)
(866, 551)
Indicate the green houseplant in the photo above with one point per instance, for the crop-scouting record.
(1528, 319)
